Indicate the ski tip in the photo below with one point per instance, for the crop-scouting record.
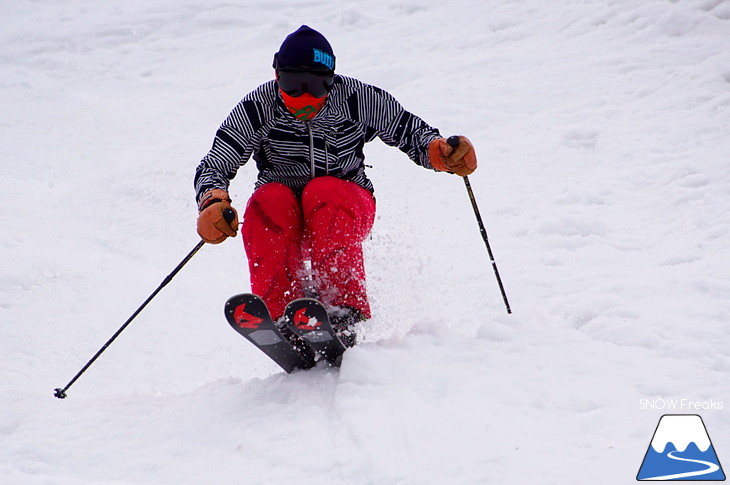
(240, 299)
(305, 300)
(244, 296)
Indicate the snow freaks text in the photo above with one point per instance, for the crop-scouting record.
(678, 404)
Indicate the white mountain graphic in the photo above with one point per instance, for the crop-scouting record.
(681, 430)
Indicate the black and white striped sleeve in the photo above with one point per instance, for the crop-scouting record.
(234, 141)
(393, 124)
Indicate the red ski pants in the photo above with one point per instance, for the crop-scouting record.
(327, 225)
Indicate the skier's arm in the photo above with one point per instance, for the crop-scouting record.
(394, 125)
(423, 143)
(236, 139)
(233, 145)
(231, 149)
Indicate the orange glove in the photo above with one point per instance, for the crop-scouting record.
(212, 224)
(445, 158)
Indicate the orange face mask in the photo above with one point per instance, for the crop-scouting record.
(305, 106)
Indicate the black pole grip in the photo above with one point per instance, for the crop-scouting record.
(229, 214)
(453, 141)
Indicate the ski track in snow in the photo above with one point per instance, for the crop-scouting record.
(601, 129)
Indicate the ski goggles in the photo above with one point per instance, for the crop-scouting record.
(297, 82)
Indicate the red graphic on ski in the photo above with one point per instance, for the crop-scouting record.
(245, 319)
(302, 321)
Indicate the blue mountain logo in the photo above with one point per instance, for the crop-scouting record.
(681, 450)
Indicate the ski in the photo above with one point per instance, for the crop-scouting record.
(248, 315)
(308, 318)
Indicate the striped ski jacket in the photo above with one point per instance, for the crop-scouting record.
(292, 152)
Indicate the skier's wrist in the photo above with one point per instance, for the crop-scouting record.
(211, 197)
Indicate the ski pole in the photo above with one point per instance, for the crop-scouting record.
(453, 141)
(60, 393)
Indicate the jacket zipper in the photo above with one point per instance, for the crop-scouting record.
(311, 148)
(327, 157)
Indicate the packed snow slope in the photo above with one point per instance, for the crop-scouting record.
(602, 130)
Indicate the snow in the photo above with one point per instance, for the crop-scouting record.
(601, 128)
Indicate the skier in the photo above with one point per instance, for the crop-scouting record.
(312, 199)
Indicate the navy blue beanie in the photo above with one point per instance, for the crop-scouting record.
(305, 48)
